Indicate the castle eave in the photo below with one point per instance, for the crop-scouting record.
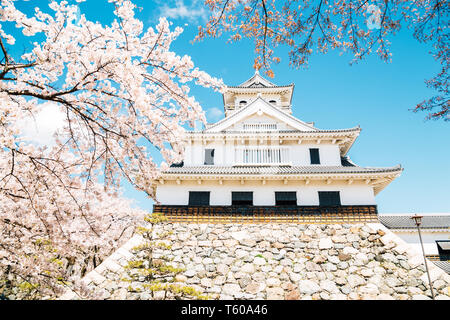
(264, 170)
(378, 178)
(311, 133)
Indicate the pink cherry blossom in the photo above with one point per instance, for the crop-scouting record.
(121, 90)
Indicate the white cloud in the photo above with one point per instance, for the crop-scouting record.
(192, 12)
(214, 114)
(40, 128)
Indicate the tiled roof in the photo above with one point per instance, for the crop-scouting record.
(256, 81)
(278, 131)
(260, 86)
(444, 265)
(405, 221)
(276, 170)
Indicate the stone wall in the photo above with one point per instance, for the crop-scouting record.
(284, 261)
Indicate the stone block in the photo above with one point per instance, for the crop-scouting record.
(275, 294)
(325, 243)
(308, 287)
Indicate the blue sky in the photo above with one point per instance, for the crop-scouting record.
(376, 95)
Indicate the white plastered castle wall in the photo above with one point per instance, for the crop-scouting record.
(249, 98)
(225, 149)
(224, 152)
(171, 193)
(429, 239)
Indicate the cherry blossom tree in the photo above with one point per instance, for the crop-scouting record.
(123, 94)
(360, 27)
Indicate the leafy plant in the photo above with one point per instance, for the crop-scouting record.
(153, 271)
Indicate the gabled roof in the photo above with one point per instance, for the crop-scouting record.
(256, 84)
(260, 105)
(257, 81)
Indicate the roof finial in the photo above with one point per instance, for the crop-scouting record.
(257, 71)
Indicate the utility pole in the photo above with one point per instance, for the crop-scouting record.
(418, 220)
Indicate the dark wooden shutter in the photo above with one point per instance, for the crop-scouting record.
(284, 198)
(209, 156)
(329, 198)
(314, 155)
(242, 198)
(199, 198)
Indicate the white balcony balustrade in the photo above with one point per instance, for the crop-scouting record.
(262, 156)
(260, 126)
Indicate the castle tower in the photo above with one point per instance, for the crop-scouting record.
(260, 158)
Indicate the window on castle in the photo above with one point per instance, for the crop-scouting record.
(199, 198)
(286, 198)
(209, 156)
(273, 102)
(314, 155)
(242, 103)
(241, 198)
(329, 198)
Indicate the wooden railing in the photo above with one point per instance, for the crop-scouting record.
(261, 155)
(268, 214)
